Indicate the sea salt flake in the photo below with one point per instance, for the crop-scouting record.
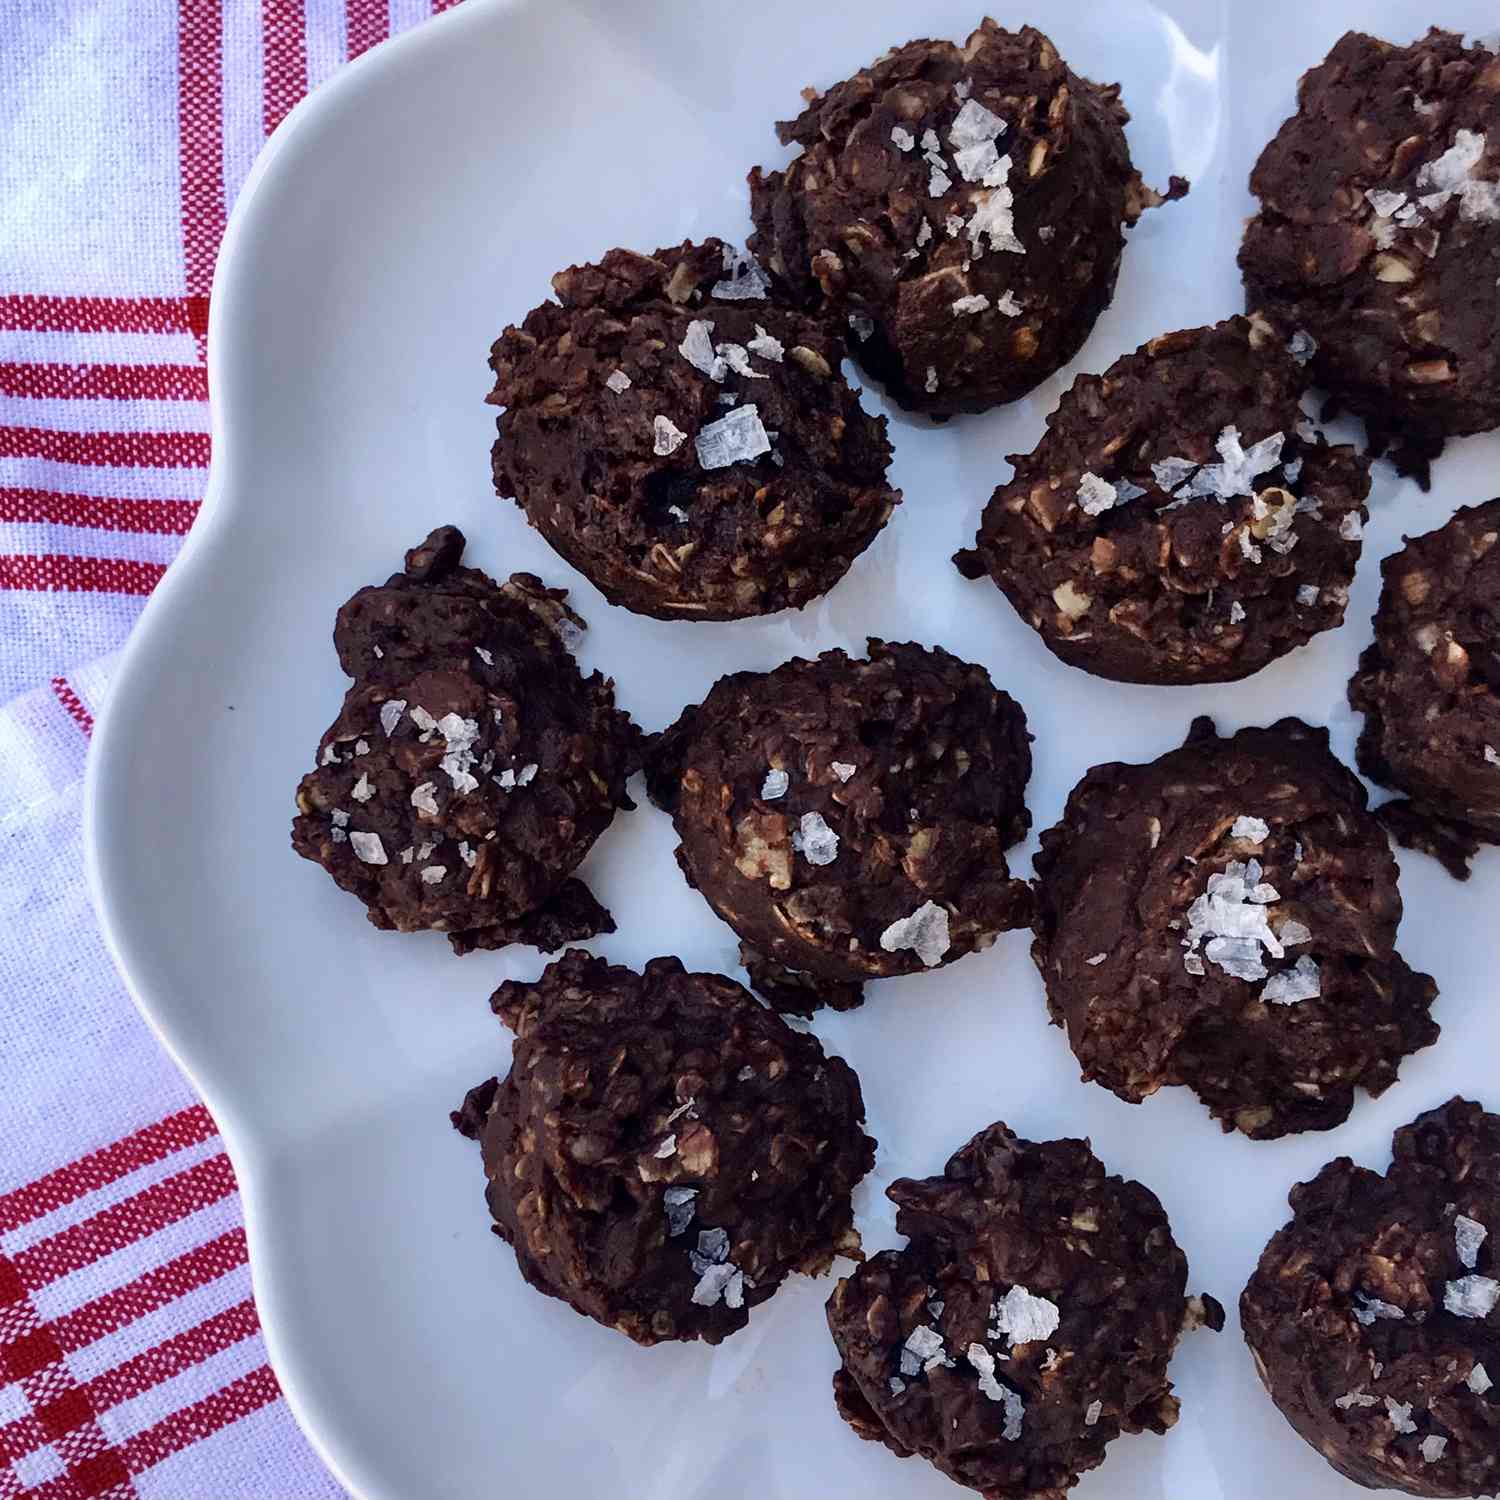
(984, 1363)
(424, 799)
(1170, 473)
(1096, 495)
(954, 226)
(1292, 472)
(1449, 173)
(1432, 1447)
(974, 162)
(406, 855)
(1256, 830)
(1385, 202)
(1356, 1398)
(1293, 934)
(527, 774)
(924, 1345)
(737, 357)
(1369, 1308)
(1236, 612)
(697, 348)
(842, 769)
(975, 302)
(1094, 1412)
(1351, 528)
(938, 183)
(994, 216)
(815, 840)
(330, 756)
(367, 848)
(767, 345)
(898, 1385)
(1025, 1318)
(1303, 981)
(925, 932)
(1007, 304)
(1479, 1380)
(1096, 960)
(363, 791)
(1302, 346)
(973, 125)
(667, 437)
(1400, 1414)
(361, 747)
(460, 734)
(1307, 595)
(1491, 755)
(1193, 963)
(506, 779)
(618, 382)
(433, 874)
(667, 1148)
(930, 141)
(340, 818)
(737, 438)
(744, 280)
(924, 231)
(962, 88)
(931, 383)
(903, 139)
(713, 1283)
(1469, 1234)
(1468, 1297)
(775, 785)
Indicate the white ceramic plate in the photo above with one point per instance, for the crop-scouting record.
(394, 225)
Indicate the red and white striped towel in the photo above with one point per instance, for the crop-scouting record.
(131, 1362)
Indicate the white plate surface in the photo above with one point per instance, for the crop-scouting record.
(396, 223)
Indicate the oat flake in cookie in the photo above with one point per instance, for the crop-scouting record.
(1428, 689)
(1245, 906)
(962, 207)
(849, 818)
(665, 1151)
(1180, 521)
(1379, 236)
(684, 437)
(1372, 1317)
(472, 764)
(1025, 1326)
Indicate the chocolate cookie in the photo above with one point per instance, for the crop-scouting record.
(849, 818)
(1025, 1326)
(962, 207)
(1372, 1318)
(1377, 236)
(683, 435)
(472, 765)
(1428, 689)
(665, 1151)
(1180, 521)
(1225, 917)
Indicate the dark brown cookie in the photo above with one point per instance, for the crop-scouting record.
(1180, 521)
(1025, 1326)
(665, 1151)
(962, 206)
(1429, 688)
(472, 765)
(1377, 236)
(1372, 1317)
(683, 435)
(849, 818)
(1225, 917)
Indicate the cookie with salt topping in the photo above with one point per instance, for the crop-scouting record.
(1224, 917)
(1025, 1326)
(849, 817)
(1379, 235)
(472, 765)
(665, 1151)
(1374, 1313)
(685, 437)
(962, 207)
(1429, 688)
(1180, 521)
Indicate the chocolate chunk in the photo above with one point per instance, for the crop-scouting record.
(1179, 522)
(1027, 1323)
(843, 876)
(736, 474)
(665, 1152)
(1246, 906)
(1368, 1322)
(978, 264)
(472, 765)
(1376, 235)
(1429, 688)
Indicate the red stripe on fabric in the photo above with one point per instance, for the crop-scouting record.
(146, 1294)
(368, 22)
(73, 705)
(176, 1354)
(194, 1423)
(48, 507)
(51, 572)
(131, 450)
(124, 1223)
(442, 5)
(99, 1168)
(200, 91)
(284, 27)
(96, 314)
(111, 382)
